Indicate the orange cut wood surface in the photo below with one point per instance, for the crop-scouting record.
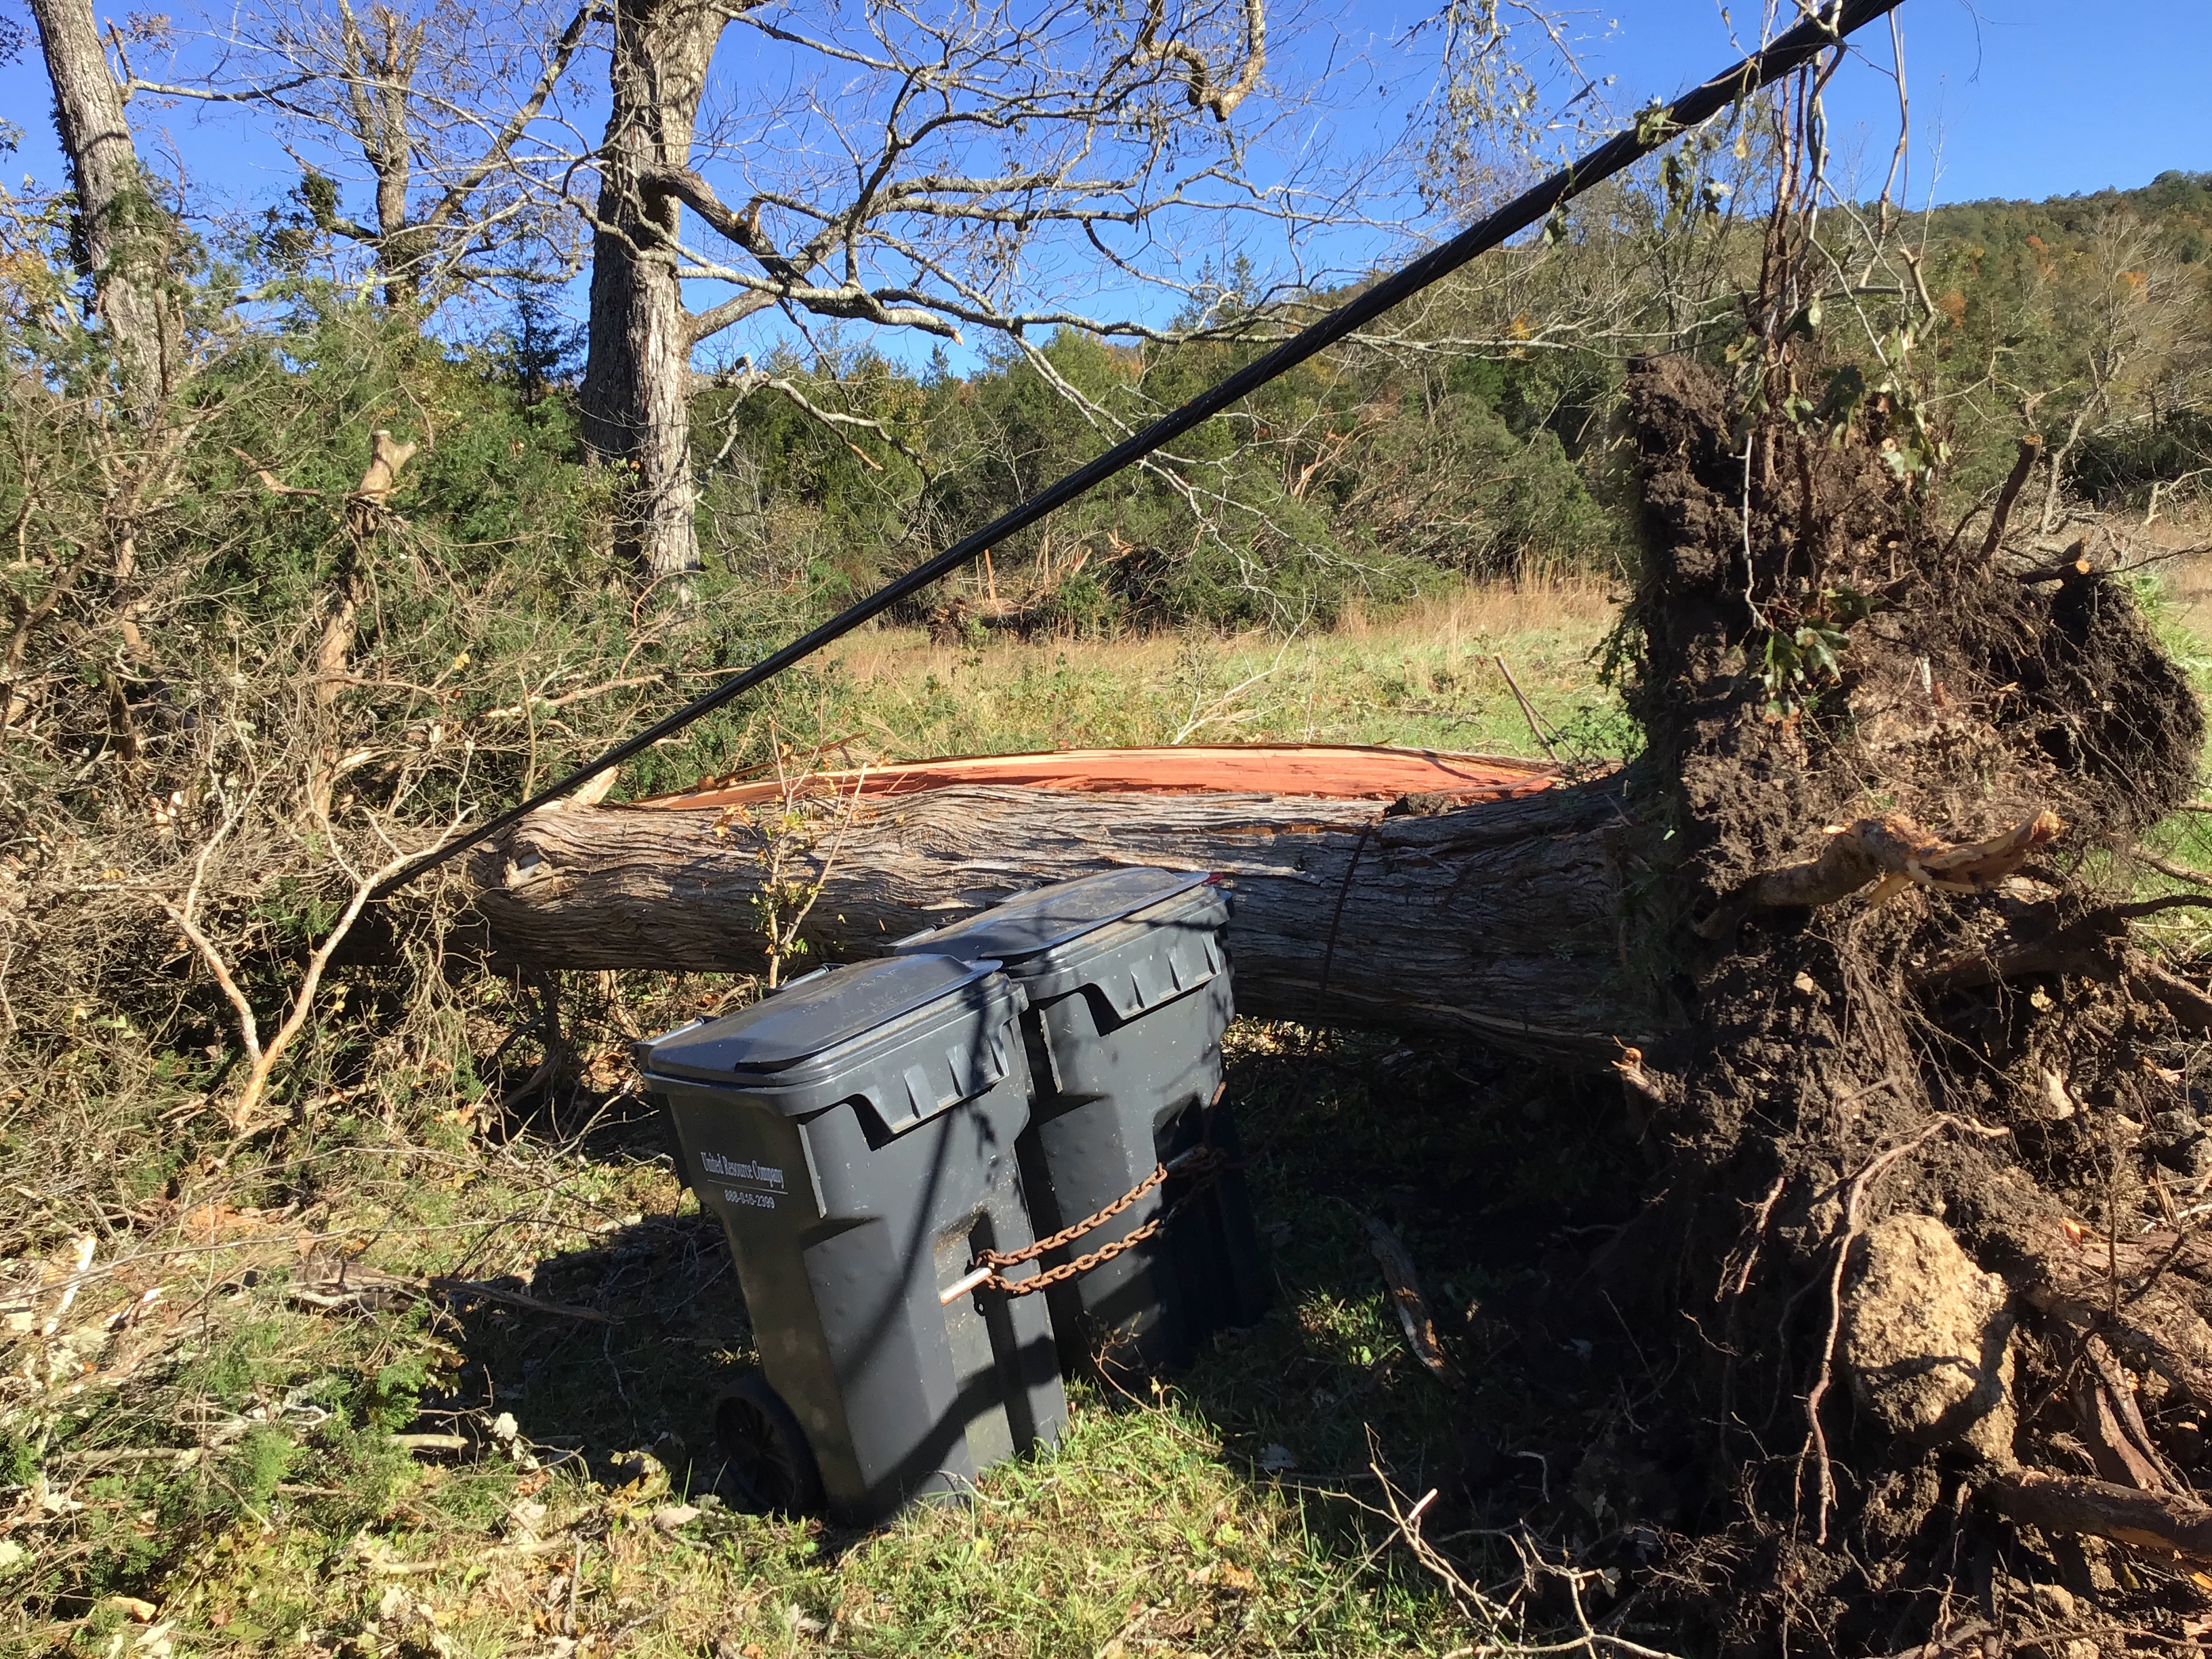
(1330, 771)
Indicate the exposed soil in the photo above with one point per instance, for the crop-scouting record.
(1833, 1397)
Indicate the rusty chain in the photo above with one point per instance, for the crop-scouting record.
(1205, 1164)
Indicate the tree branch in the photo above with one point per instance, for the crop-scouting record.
(2031, 447)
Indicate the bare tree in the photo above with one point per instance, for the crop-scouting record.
(447, 115)
(928, 173)
(433, 244)
(122, 234)
(2130, 306)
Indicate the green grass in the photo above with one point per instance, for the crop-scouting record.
(1424, 678)
(1167, 1523)
(2179, 607)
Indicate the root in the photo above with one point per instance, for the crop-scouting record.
(2107, 1407)
(2075, 1504)
(2130, 1336)
(2030, 448)
(1890, 852)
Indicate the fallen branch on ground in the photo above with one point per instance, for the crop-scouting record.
(1414, 1315)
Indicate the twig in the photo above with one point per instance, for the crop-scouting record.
(517, 1299)
(2030, 448)
(2178, 872)
(303, 999)
(1528, 709)
(538, 700)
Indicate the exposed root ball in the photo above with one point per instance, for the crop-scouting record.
(1863, 1181)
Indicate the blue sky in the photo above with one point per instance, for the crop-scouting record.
(2015, 98)
(2010, 98)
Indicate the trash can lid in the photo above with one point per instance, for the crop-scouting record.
(811, 1016)
(1049, 917)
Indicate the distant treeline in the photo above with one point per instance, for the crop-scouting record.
(1378, 470)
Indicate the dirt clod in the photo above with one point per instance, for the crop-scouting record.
(1927, 1338)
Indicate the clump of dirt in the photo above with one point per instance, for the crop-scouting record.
(1968, 698)
(1870, 1109)
(1927, 1338)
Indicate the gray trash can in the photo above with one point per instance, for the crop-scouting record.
(855, 1132)
(1128, 997)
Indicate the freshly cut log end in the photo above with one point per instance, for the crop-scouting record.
(1497, 920)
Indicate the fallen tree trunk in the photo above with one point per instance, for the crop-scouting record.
(1498, 921)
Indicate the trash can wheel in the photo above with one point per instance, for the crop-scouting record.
(769, 1461)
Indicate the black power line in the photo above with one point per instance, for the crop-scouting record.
(1789, 53)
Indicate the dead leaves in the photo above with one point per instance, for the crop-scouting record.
(41, 1302)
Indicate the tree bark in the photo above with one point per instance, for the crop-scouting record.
(381, 81)
(1499, 920)
(122, 234)
(637, 374)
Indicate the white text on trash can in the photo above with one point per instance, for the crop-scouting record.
(768, 1179)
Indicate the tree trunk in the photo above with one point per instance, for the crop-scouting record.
(637, 378)
(383, 80)
(122, 234)
(1497, 920)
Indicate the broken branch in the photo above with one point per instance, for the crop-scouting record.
(1420, 1326)
(2075, 566)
